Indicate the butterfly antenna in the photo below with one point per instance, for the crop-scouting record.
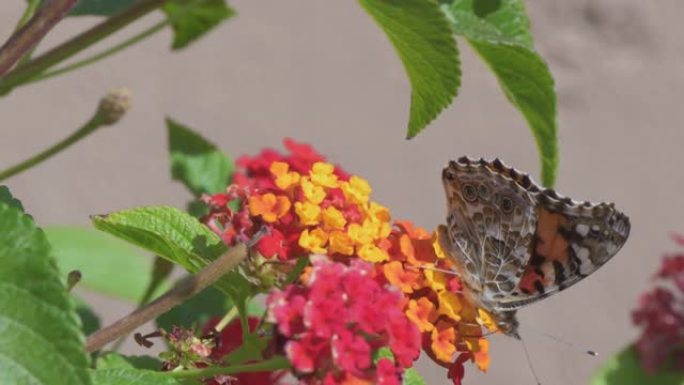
(529, 361)
(592, 353)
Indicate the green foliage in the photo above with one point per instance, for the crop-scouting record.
(100, 7)
(89, 320)
(41, 341)
(412, 377)
(499, 32)
(112, 360)
(7, 198)
(191, 19)
(196, 311)
(196, 162)
(176, 236)
(422, 38)
(107, 264)
(122, 376)
(625, 369)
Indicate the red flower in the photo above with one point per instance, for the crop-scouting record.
(335, 333)
(661, 315)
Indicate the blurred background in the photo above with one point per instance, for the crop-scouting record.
(324, 73)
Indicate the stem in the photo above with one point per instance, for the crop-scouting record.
(185, 289)
(93, 124)
(226, 319)
(102, 55)
(78, 43)
(30, 34)
(28, 13)
(269, 365)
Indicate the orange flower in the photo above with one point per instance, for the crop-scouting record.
(341, 243)
(285, 179)
(443, 343)
(406, 280)
(450, 305)
(333, 218)
(481, 356)
(269, 206)
(422, 313)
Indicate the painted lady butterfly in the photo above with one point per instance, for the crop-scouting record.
(514, 243)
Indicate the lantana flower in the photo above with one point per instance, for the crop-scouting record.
(308, 206)
(661, 316)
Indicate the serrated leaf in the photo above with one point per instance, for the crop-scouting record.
(423, 39)
(196, 162)
(99, 7)
(499, 33)
(41, 341)
(191, 19)
(176, 236)
(7, 198)
(120, 376)
(107, 265)
(625, 369)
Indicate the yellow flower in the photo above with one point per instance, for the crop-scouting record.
(322, 174)
(486, 320)
(361, 235)
(378, 212)
(372, 253)
(450, 305)
(312, 192)
(341, 243)
(437, 280)
(285, 178)
(313, 241)
(333, 218)
(308, 213)
(437, 246)
(357, 189)
(269, 206)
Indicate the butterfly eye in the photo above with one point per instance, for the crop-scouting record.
(506, 205)
(469, 192)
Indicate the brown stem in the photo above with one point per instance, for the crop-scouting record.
(30, 34)
(78, 43)
(185, 289)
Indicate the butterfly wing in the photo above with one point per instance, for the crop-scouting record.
(490, 225)
(572, 241)
(510, 257)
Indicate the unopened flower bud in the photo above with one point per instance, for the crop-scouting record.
(114, 105)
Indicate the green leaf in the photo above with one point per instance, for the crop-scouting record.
(190, 19)
(121, 376)
(7, 198)
(111, 360)
(41, 340)
(499, 32)
(107, 264)
(625, 369)
(99, 7)
(196, 162)
(412, 377)
(176, 236)
(421, 36)
(196, 311)
(89, 320)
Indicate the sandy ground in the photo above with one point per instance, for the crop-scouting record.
(323, 72)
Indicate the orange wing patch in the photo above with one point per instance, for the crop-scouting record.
(551, 245)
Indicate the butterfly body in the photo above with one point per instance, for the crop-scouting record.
(514, 243)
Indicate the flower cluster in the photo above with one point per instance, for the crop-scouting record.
(309, 206)
(336, 322)
(661, 315)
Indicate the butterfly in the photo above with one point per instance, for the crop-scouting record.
(513, 242)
